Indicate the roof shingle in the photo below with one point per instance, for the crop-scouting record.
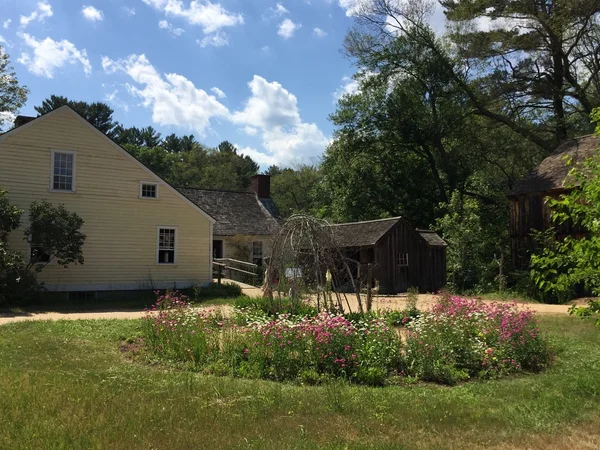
(236, 213)
(359, 234)
(552, 171)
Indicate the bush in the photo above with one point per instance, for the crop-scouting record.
(215, 290)
(462, 339)
(273, 308)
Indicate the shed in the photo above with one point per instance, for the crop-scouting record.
(528, 208)
(402, 256)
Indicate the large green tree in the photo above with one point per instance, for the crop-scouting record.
(294, 190)
(12, 95)
(98, 114)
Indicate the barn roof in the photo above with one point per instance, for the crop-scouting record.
(432, 238)
(359, 234)
(552, 171)
(236, 213)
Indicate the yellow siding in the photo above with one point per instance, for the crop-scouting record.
(121, 245)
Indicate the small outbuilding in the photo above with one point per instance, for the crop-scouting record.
(401, 256)
(529, 210)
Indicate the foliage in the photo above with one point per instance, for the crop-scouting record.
(562, 265)
(462, 339)
(294, 190)
(591, 310)
(258, 306)
(215, 290)
(54, 231)
(12, 95)
(458, 340)
(98, 114)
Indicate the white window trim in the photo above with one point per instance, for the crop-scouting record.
(154, 183)
(74, 186)
(166, 227)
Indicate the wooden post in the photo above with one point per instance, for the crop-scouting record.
(219, 273)
(369, 283)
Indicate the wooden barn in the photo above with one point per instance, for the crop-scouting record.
(401, 255)
(528, 208)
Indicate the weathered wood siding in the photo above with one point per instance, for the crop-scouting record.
(426, 265)
(121, 246)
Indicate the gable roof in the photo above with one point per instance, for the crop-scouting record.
(359, 234)
(551, 173)
(67, 108)
(432, 238)
(236, 213)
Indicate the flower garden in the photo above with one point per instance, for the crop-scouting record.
(458, 340)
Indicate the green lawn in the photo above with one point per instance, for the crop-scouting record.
(66, 385)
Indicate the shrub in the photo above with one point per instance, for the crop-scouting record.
(462, 339)
(275, 307)
(215, 290)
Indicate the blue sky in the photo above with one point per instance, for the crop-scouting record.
(262, 74)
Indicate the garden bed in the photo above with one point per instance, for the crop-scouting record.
(458, 340)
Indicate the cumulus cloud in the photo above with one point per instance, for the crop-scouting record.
(42, 12)
(173, 99)
(319, 33)
(5, 42)
(218, 92)
(288, 28)
(273, 111)
(275, 11)
(352, 7)
(113, 98)
(92, 14)
(270, 111)
(164, 25)
(48, 55)
(210, 16)
(218, 39)
(261, 158)
(6, 23)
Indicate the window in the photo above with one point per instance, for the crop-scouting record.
(39, 255)
(63, 171)
(257, 252)
(403, 259)
(148, 190)
(167, 243)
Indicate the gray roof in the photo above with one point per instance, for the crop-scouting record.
(432, 238)
(359, 234)
(236, 213)
(552, 171)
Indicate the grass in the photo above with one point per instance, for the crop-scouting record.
(66, 385)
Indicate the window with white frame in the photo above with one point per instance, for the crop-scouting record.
(63, 171)
(148, 190)
(167, 245)
(257, 252)
(403, 259)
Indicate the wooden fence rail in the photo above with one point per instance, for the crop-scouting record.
(227, 266)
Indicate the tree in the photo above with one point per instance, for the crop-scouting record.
(144, 137)
(98, 114)
(12, 95)
(294, 190)
(54, 234)
(539, 79)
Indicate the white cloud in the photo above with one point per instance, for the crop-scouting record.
(349, 86)
(49, 55)
(129, 11)
(112, 97)
(218, 92)
(210, 16)
(275, 11)
(352, 7)
(266, 49)
(164, 25)
(287, 28)
(250, 131)
(92, 14)
(218, 39)
(274, 111)
(43, 11)
(5, 42)
(6, 23)
(319, 33)
(270, 111)
(261, 158)
(173, 99)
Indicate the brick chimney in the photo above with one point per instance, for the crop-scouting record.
(261, 185)
(22, 120)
